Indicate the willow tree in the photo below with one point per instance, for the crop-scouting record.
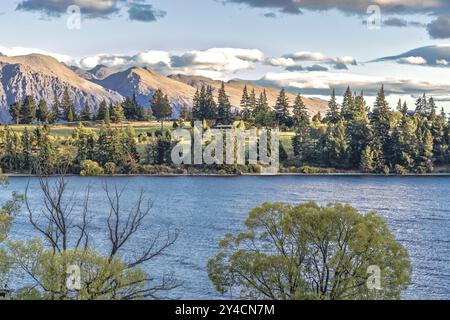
(311, 252)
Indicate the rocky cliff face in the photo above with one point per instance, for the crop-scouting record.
(45, 78)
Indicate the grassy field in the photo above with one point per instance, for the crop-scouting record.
(65, 130)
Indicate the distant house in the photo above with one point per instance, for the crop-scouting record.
(223, 127)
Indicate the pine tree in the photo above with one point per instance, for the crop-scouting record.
(348, 105)
(27, 149)
(245, 104)
(29, 110)
(85, 114)
(367, 164)
(102, 108)
(357, 130)
(381, 122)
(131, 108)
(196, 112)
(333, 114)
(161, 107)
(55, 114)
(42, 112)
(282, 109)
(15, 110)
(106, 115)
(422, 105)
(223, 107)
(300, 114)
(337, 146)
(117, 115)
(67, 106)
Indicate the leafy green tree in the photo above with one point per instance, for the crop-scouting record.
(310, 252)
(84, 140)
(161, 107)
(64, 240)
(8, 211)
(91, 168)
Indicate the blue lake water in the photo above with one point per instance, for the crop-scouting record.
(417, 210)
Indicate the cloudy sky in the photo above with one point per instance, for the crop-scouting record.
(310, 46)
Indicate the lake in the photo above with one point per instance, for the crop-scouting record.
(417, 210)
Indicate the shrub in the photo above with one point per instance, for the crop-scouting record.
(91, 168)
(110, 168)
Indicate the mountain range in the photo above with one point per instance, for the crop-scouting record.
(46, 78)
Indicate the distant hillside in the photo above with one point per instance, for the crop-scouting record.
(234, 90)
(144, 82)
(44, 77)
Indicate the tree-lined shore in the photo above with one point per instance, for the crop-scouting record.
(349, 138)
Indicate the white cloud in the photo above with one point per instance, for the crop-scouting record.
(292, 60)
(219, 59)
(323, 82)
(413, 60)
(442, 62)
(145, 59)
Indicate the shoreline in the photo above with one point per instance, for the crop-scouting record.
(212, 175)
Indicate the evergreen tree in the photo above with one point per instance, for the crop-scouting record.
(15, 110)
(55, 114)
(224, 115)
(85, 114)
(107, 115)
(282, 109)
(367, 163)
(337, 146)
(357, 130)
(381, 122)
(348, 105)
(102, 108)
(42, 113)
(67, 106)
(27, 149)
(333, 114)
(28, 110)
(422, 105)
(117, 115)
(131, 108)
(245, 104)
(196, 106)
(161, 107)
(300, 114)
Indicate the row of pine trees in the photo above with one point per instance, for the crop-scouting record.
(380, 140)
